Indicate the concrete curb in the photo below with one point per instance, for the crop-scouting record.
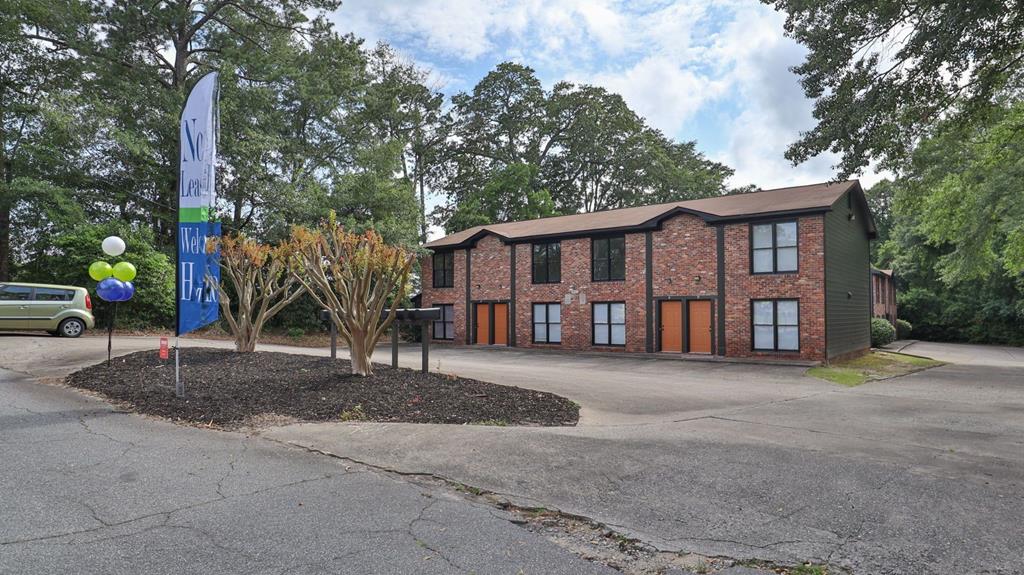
(632, 355)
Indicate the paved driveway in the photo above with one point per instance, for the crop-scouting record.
(920, 474)
(969, 354)
(86, 489)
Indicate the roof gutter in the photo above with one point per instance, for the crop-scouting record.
(649, 225)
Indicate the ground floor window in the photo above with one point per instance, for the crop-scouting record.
(609, 323)
(547, 323)
(444, 328)
(776, 324)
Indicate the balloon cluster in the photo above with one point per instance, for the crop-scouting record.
(115, 280)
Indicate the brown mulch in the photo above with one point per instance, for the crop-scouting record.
(234, 389)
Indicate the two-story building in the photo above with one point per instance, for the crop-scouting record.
(883, 294)
(778, 273)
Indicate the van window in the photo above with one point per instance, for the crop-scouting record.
(15, 293)
(54, 294)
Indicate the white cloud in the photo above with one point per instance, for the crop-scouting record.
(679, 63)
(659, 90)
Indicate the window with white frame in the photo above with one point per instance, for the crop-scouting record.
(776, 324)
(547, 323)
(773, 247)
(444, 328)
(609, 323)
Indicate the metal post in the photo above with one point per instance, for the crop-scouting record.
(110, 331)
(334, 340)
(394, 344)
(425, 343)
(179, 386)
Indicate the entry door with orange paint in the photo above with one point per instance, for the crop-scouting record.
(483, 323)
(699, 325)
(671, 314)
(500, 324)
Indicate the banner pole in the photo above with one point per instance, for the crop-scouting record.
(179, 386)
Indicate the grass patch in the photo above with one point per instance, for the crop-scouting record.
(840, 375)
(871, 366)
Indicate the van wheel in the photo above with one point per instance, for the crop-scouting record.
(71, 327)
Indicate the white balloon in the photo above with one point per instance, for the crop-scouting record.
(113, 246)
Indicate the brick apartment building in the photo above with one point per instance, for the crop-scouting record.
(778, 273)
(883, 294)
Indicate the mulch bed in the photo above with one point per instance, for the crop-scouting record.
(234, 389)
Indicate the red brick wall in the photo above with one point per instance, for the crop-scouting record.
(490, 275)
(455, 295)
(576, 293)
(685, 258)
(684, 250)
(883, 296)
(808, 285)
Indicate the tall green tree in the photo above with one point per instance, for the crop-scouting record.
(40, 149)
(952, 226)
(581, 145)
(883, 74)
(138, 71)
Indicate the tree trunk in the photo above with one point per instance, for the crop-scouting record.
(6, 203)
(5, 238)
(361, 364)
(423, 205)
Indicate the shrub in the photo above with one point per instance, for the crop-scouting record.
(296, 332)
(882, 332)
(903, 329)
(359, 278)
(262, 283)
(71, 252)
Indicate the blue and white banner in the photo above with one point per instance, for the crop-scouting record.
(197, 300)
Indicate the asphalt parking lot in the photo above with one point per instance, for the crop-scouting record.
(918, 474)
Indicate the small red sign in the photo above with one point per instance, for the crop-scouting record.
(163, 348)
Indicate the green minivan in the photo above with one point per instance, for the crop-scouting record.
(65, 311)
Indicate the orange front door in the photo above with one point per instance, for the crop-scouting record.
(501, 324)
(483, 323)
(672, 326)
(700, 325)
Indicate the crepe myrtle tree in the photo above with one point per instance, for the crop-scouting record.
(261, 281)
(356, 277)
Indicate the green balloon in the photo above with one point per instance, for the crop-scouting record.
(100, 271)
(124, 271)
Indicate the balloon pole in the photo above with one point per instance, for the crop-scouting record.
(110, 331)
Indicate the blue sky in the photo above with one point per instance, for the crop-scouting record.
(713, 71)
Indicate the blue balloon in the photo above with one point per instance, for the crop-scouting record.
(129, 291)
(111, 289)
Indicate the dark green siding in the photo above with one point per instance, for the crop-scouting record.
(847, 278)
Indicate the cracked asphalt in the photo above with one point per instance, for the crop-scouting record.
(87, 489)
(921, 474)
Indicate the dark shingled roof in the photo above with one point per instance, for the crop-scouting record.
(808, 198)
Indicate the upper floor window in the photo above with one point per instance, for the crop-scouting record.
(773, 248)
(547, 263)
(444, 269)
(608, 258)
